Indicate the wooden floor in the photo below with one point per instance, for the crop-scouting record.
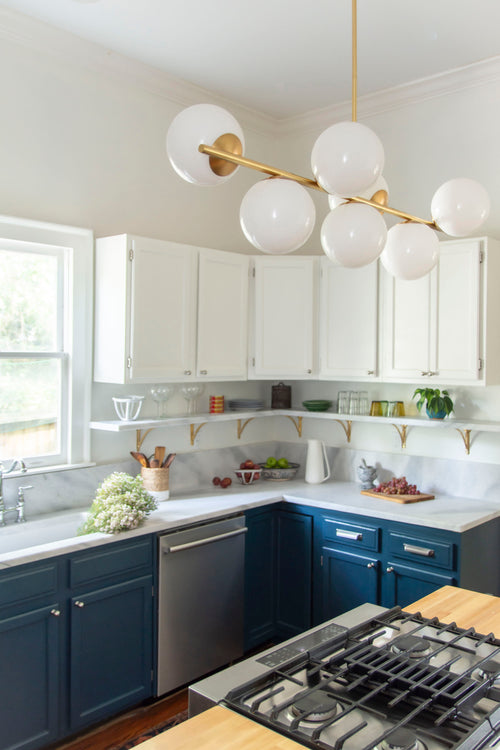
(119, 731)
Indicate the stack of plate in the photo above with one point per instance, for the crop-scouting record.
(245, 404)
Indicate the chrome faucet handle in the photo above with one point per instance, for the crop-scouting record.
(20, 503)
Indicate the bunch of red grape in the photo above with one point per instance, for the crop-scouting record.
(397, 486)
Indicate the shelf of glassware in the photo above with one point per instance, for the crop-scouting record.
(196, 421)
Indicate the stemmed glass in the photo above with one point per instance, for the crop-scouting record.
(160, 395)
(191, 393)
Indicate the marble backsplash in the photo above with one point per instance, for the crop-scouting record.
(193, 472)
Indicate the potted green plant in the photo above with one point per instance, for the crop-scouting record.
(438, 404)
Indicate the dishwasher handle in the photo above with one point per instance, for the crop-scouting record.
(207, 540)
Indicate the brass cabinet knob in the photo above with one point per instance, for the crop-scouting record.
(187, 372)
(55, 612)
(203, 372)
(79, 604)
(390, 569)
(371, 565)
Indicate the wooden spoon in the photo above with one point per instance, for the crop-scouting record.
(169, 460)
(160, 451)
(141, 458)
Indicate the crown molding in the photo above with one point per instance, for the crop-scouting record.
(41, 37)
(443, 84)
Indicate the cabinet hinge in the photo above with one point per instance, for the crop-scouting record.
(131, 254)
(152, 675)
(321, 560)
(253, 361)
(481, 256)
(253, 272)
(152, 591)
(129, 362)
(480, 364)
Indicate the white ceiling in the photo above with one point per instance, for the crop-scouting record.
(284, 57)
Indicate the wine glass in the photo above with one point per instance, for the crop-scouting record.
(191, 393)
(160, 395)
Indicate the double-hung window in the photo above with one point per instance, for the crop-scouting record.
(45, 342)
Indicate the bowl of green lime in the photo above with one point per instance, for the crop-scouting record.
(278, 469)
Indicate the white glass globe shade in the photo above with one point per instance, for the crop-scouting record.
(353, 235)
(460, 206)
(379, 184)
(347, 158)
(277, 215)
(411, 250)
(201, 123)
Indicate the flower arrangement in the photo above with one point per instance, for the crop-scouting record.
(120, 503)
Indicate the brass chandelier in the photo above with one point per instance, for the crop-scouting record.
(205, 145)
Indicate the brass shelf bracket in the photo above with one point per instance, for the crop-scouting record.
(140, 436)
(240, 427)
(402, 432)
(297, 424)
(465, 435)
(347, 427)
(193, 431)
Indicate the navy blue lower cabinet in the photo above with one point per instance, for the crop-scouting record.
(260, 576)
(293, 573)
(111, 650)
(348, 580)
(404, 584)
(29, 682)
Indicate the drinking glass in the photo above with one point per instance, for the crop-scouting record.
(363, 402)
(191, 393)
(343, 402)
(354, 402)
(160, 395)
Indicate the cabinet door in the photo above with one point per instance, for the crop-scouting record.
(29, 684)
(404, 584)
(222, 315)
(348, 580)
(284, 317)
(260, 570)
(348, 321)
(162, 311)
(408, 336)
(111, 650)
(293, 573)
(458, 312)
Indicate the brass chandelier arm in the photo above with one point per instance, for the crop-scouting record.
(307, 182)
(354, 49)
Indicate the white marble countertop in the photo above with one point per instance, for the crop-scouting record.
(447, 513)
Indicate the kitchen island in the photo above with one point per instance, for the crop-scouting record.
(222, 729)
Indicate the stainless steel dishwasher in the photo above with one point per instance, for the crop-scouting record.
(200, 600)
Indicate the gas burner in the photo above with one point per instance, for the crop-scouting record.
(412, 646)
(489, 670)
(316, 707)
(401, 739)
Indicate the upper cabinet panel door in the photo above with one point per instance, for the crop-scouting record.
(408, 327)
(458, 319)
(222, 315)
(348, 321)
(163, 311)
(284, 317)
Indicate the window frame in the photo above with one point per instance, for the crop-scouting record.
(76, 245)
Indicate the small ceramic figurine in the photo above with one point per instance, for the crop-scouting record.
(367, 475)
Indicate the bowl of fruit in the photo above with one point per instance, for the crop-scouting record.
(248, 472)
(279, 469)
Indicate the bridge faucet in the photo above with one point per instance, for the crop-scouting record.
(3, 471)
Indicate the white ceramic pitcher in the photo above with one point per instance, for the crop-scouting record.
(317, 467)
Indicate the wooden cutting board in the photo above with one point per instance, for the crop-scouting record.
(398, 498)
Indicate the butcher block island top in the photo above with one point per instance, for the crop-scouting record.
(221, 729)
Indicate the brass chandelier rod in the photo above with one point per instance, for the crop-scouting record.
(354, 48)
(307, 182)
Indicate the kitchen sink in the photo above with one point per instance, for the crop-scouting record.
(53, 527)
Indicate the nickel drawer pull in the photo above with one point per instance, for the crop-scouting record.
(422, 551)
(207, 540)
(356, 536)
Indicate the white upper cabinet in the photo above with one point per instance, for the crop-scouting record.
(284, 318)
(438, 329)
(222, 315)
(348, 322)
(147, 310)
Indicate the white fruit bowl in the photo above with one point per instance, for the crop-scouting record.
(248, 476)
(279, 475)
